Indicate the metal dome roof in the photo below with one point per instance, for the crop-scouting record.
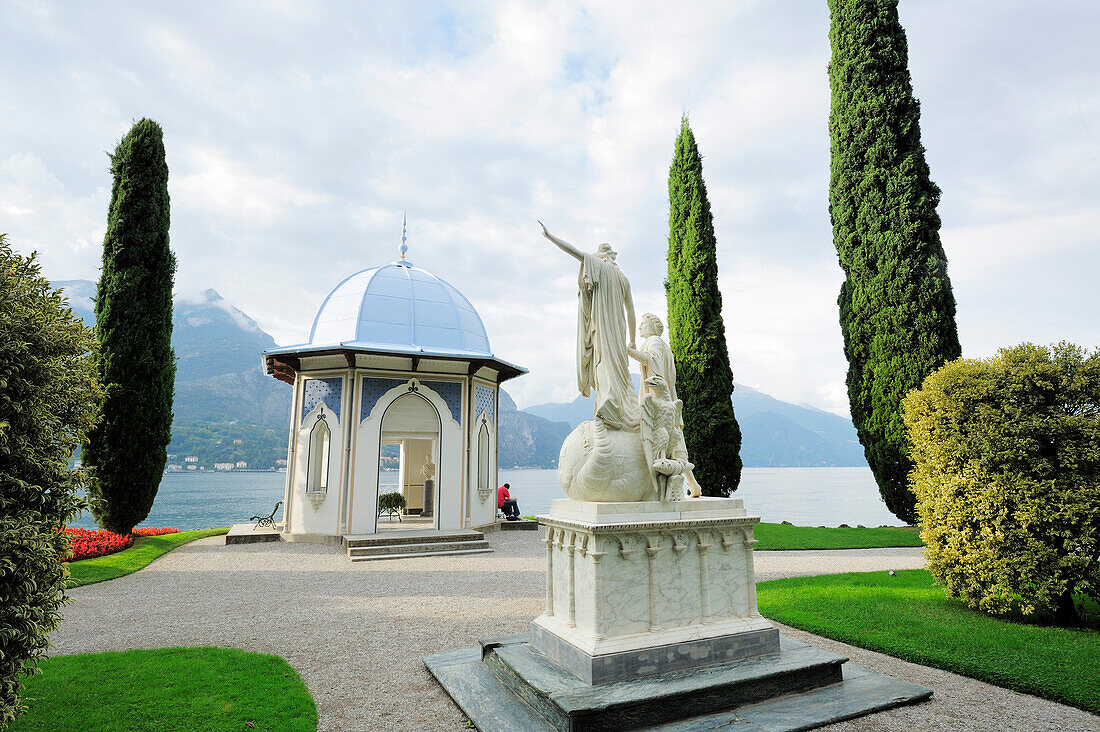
(402, 308)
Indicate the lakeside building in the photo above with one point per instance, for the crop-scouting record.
(396, 356)
(223, 466)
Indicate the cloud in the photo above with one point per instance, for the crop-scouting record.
(41, 214)
(222, 187)
(297, 136)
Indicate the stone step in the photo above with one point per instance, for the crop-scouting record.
(568, 703)
(862, 692)
(411, 536)
(412, 555)
(421, 548)
(520, 525)
(551, 700)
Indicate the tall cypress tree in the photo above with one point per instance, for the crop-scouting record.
(127, 450)
(897, 311)
(696, 333)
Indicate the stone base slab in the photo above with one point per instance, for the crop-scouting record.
(650, 660)
(504, 686)
(251, 534)
(518, 525)
(592, 646)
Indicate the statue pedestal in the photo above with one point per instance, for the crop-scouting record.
(429, 497)
(643, 588)
(651, 623)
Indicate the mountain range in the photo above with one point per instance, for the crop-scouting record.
(219, 381)
(774, 433)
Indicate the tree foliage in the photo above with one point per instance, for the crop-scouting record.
(696, 332)
(391, 503)
(48, 399)
(1007, 478)
(127, 450)
(897, 311)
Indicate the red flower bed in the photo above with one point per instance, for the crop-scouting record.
(152, 531)
(85, 544)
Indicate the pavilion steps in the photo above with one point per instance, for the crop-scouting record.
(409, 544)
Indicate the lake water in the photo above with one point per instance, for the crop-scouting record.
(803, 496)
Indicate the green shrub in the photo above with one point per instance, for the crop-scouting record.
(48, 398)
(391, 503)
(1007, 478)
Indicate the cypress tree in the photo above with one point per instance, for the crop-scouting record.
(127, 450)
(897, 311)
(696, 332)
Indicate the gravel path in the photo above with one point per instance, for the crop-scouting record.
(356, 632)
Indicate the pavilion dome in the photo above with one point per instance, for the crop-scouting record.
(401, 308)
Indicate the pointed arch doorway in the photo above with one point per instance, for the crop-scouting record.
(412, 424)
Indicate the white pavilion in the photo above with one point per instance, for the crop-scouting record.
(396, 356)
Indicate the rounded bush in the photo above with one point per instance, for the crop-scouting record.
(1006, 455)
(391, 503)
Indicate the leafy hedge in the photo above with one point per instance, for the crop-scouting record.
(391, 503)
(1007, 478)
(48, 399)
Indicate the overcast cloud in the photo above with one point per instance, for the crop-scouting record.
(297, 133)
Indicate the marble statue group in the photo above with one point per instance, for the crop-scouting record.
(633, 448)
(651, 616)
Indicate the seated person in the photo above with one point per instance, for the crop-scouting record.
(506, 503)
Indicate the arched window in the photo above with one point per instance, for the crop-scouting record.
(317, 462)
(483, 458)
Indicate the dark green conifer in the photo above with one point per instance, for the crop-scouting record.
(704, 380)
(127, 450)
(897, 311)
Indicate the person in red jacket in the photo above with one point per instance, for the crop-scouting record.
(506, 503)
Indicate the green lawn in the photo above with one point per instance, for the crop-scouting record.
(784, 536)
(907, 616)
(775, 537)
(167, 690)
(144, 550)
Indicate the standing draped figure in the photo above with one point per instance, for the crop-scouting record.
(605, 332)
(655, 359)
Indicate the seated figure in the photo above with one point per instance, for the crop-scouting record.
(507, 504)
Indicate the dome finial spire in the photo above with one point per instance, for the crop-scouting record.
(404, 246)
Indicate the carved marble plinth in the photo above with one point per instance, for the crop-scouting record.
(649, 587)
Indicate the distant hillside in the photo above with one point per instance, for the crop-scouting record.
(211, 338)
(774, 433)
(218, 372)
(527, 440)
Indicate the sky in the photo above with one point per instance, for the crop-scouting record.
(298, 133)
